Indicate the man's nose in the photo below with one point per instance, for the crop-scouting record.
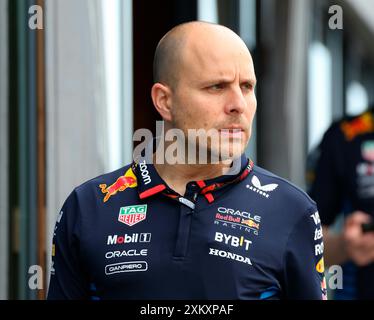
(235, 101)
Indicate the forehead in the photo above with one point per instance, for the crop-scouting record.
(216, 55)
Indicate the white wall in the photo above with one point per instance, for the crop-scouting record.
(75, 101)
(365, 9)
(79, 111)
(295, 91)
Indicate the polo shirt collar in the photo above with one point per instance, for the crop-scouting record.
(150, 183)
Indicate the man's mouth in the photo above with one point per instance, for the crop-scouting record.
(236, 133)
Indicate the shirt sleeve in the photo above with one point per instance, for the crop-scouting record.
(326, 189)
(68, 279)
(303, 260)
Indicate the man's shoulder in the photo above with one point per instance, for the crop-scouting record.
(283, 191)
(106, 179)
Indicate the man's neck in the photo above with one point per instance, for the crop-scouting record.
(177, 176)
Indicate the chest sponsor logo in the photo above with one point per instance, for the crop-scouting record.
(128, 238)
(126, 253)
(237, 242)
(132, 215)
(237, 219)
(262, 190)
(128, 180)
(131, 266)
(229, 255)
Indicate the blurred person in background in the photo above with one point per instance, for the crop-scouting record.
(343, 182)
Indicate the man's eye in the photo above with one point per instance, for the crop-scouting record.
(217, 86)
(247, 86)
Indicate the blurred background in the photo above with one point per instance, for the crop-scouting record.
(73, 92)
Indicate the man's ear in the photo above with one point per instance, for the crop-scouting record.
(161, 97)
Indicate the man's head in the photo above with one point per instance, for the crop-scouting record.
(204, 79)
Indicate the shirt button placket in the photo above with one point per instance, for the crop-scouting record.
(185, 219)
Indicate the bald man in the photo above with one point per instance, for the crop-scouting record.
(192, 229)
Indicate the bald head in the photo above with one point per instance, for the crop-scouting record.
(170, 52)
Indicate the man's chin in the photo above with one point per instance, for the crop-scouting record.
(228, 154)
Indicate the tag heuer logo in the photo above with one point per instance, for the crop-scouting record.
(132, 214)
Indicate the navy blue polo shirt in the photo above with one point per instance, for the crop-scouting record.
(127, 235)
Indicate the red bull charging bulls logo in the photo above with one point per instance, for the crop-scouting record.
(128, 180)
